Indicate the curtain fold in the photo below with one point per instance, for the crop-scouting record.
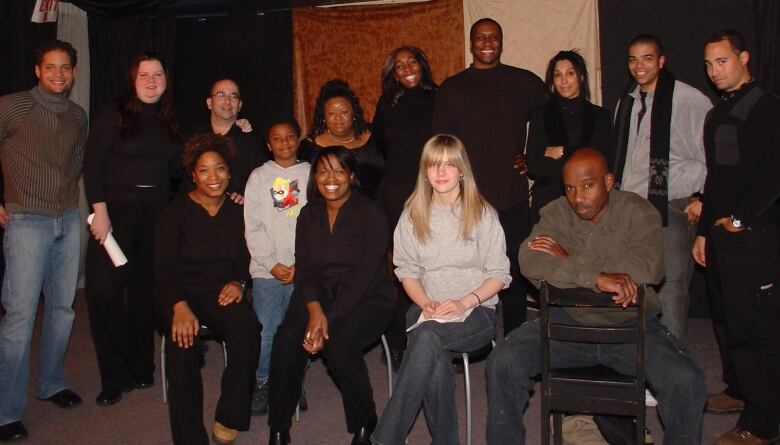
(72, 27)
(352, 43)
(767, 63)
(118, 8)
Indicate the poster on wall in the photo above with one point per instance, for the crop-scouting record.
(45, 11)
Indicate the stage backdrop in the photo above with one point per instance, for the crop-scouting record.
(534, 30)
(352, 43)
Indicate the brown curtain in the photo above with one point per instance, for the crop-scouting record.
(352, 43)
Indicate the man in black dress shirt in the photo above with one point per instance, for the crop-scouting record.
(488, 106)
(224, 102)
(738, 238)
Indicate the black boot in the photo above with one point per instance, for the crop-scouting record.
(279, 438)
(363, 436)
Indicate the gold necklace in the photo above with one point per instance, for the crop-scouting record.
(337, 139)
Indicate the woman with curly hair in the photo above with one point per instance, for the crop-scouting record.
(338, 121)
(131, 149)
(201, 265)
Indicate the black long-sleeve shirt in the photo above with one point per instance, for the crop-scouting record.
(195, 253)
(743, 158)
(341, 268)
(488, 110)
(149, 157)
(571, 123)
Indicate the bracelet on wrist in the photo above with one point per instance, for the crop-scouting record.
(479, 300)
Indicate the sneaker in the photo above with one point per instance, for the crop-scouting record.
(260, 399)
(722, 403)
(739, 436)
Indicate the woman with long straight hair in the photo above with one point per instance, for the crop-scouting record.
(450, 258)
(131, 154)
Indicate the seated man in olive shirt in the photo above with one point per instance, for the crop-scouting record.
(606, 240)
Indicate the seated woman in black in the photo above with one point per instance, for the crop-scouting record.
(343, 297)
(201, 266)
(565, 123)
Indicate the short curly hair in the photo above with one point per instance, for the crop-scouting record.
(202, 143)
(337, 88)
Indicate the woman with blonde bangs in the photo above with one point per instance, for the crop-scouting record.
(450, 257)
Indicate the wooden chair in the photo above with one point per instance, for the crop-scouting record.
(598, 389)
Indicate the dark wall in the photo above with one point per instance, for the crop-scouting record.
(682, 26)
(20, 37)
(254, 50)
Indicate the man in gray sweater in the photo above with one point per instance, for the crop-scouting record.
(42, 137)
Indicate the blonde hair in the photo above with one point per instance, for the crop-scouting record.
(472, 205)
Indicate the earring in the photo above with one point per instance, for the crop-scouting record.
(461, 178)
(425, 179)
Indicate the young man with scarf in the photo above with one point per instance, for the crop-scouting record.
(659, 155)
(738, 239)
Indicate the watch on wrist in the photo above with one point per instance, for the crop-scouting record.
(736, 223)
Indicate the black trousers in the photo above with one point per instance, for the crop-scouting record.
(515, 222)
(742, 277)
(119, 299)
(237, 325)
(343, 356)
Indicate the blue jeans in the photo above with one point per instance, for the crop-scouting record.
(426, 377)
(41, 253)
(670, 371)
(270, 299)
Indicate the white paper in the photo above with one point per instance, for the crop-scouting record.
(422, 319)
(112, 248)
(45, 11)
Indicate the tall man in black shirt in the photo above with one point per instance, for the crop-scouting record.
(738, 237)
(488, 106)
(224, 103)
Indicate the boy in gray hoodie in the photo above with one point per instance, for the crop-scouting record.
(274, 196)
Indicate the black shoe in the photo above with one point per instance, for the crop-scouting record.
(279, 438)
(259, 405)
(363, 436)
(12, 431)
(303, 404)
(64, 399)
(108, 397)
(144, 382)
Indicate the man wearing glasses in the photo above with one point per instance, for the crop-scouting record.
(224, 102)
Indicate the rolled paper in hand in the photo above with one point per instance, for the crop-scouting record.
(112, 248)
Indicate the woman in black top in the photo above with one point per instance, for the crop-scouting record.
(343, 298)
(201, 267)
(402, 125)
(338, 120)
(131, 151)
(565, 123)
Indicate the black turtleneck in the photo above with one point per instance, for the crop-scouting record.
(146, 157)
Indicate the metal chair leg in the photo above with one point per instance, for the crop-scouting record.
(389, 367)
(467, 377)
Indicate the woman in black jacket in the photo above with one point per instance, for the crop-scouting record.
(565, 123)
(343, 297)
